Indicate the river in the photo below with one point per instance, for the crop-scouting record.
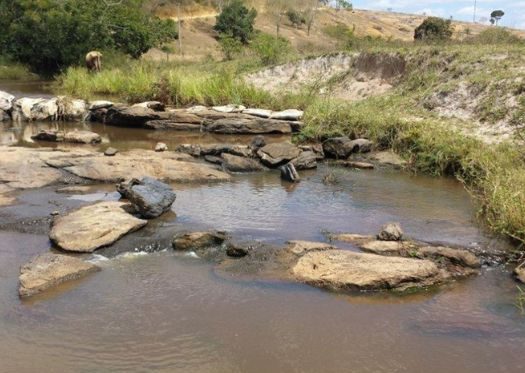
(156, 310)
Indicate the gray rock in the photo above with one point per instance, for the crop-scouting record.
(49, 135)
(343, 147)
(274, 155)
(150, 197)
(230, 108)
(130, 116)
(248, 125)
(391, 232)
(161, 147)
(198, 240)
(234, 163)
(213, 159)
(83, 137)
(49, 270)
(289, 173)
(6, 101)
(306, 161)
(110, 152)
(257, 143)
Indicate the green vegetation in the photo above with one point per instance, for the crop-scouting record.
(434, 29)
(49, 35)
(236, 21)
(520, 300)
(10, 70)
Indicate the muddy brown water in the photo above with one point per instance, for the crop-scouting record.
(170, 312)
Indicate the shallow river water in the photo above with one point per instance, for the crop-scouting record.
(170, 312)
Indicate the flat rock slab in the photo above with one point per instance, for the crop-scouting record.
(92, 227)
(302, 247)
(82, 137)
(277, 154)
(49, 270)
(249, 125)
(234, 163)
(345, 270)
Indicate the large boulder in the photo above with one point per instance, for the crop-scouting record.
(6, 101)
(234, 163)
(92, 227)
(150, 197)
(346, 270)
(343, 147)
(198, 240)
(71, 109)
(35, 109)
(130, 116)
(82, 137)
(276, 154)
(49, 270)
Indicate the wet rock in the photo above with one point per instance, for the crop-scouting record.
(291, 114)
(343, 147)
(307, 160)
(49, 135)
(391, 232)
(83, 137)
(130, 116)
(150, 197)
(198, 240)
(257, 143)
(92, 227)
(6, 101)
(346, 270)
(235, 163)
(261, 113)
(519, 272)
(218, 149)
(110, 152)
(248, 125)
(289, 173)
(463, 258)
(274, 155)
(49, 270)
(153, 105)
(302, 247)
(71, 109)
(213, 159)
(100, 104)
(317, 149)
(229, 108)
(358, 165)
(191, 149)
(161, 147)
(236, 251)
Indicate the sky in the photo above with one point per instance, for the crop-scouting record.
(459, 9)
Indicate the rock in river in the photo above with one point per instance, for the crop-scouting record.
(234, 163)
(391, 232)
(346, 270)
(198, 240)
(82, 137)
(150, 197)
(276, 154)
(342, 147)
(92, 227)
(289, 173)
(49, 135)
(49, 270)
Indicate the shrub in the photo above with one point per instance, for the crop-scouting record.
(49, 35)
(296, 18)
(495, 36)
(230, 46)
(236, 21)
(271, 49)
(434, 29)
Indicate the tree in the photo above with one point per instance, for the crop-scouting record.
(296, 18)
(277, 10)
(434, 29)
(495, 16)
(49, 35)
(236, 21)
(344, 4)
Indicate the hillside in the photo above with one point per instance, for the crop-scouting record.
(199, 38)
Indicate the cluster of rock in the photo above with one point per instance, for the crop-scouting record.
(41, 109)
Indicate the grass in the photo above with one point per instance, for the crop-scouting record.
(432, 145)
(14, 71)
(520, 300)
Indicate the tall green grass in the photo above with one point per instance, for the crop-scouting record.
(14, 71)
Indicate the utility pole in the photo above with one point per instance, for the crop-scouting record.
(475, 8)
